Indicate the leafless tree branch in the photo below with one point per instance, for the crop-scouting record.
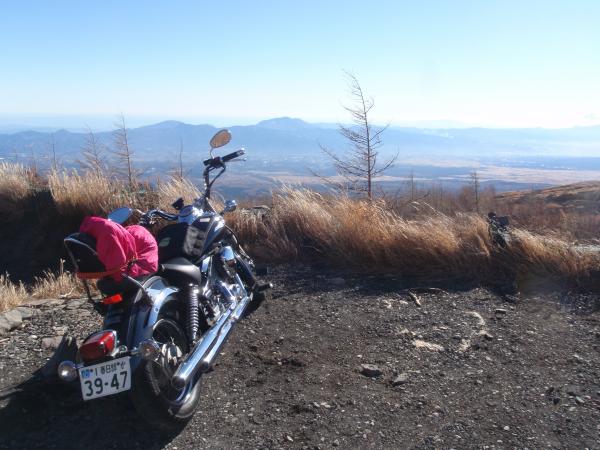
(124, 152)
(359, 165)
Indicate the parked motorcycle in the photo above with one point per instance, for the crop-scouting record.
(162, 332)
(498, 229)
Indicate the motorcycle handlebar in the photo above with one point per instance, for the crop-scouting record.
(149, 216)
(216, 161)
(166, 215)
(219, 160)
(233, 155)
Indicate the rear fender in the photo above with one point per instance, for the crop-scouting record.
(145, 313)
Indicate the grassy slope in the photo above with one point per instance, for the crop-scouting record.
(335, 230)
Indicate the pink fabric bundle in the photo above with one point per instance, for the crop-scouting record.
(118, 246)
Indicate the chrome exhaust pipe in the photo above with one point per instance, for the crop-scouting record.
(211, 355)
(189, 367)
(211, 342)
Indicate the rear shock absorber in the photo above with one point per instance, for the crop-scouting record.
(192, 312)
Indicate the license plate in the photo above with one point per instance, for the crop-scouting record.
(106, 378)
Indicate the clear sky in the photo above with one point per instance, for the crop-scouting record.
(483, 62)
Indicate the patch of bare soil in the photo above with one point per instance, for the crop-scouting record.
(347, 363)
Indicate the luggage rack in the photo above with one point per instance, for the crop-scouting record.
(81, 248)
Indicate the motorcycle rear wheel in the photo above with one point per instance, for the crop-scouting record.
(152, 394)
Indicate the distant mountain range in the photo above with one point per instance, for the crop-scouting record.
(287, 137)
(290, 146)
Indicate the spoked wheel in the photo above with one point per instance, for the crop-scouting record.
(173, 345)
(155, 399)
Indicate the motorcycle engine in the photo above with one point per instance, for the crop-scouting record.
(225, 264)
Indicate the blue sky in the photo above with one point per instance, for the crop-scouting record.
(492, 63)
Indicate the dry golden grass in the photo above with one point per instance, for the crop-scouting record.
(349, 233)
(57, 285)
(11, 294)
(16, 181)
(430, 241)
(50, 285)
(78, 195)
(16, 184)
(174, 188)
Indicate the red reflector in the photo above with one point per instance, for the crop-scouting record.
(112, 299)
(98, 345)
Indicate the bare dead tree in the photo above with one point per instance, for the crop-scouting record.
(124, 153)
(93, 155)
(52, 148)
(359, 166)
(181, 159)
(177, 172)
(475, 184)
(33, 162)
(411, 180)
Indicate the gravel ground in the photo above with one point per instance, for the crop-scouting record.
(346, 363)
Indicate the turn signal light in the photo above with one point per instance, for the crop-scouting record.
(98, 345)
(67, 371)
(112, 299)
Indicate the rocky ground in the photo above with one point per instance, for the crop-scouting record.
(347, 363)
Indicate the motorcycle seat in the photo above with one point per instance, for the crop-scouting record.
(180, 270)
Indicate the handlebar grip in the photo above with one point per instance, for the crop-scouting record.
(219, 160)
(212, 161)
(233, 155)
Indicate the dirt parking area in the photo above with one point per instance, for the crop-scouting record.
(345, 362)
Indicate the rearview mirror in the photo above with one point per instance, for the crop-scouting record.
(220, 139)
(120, 215)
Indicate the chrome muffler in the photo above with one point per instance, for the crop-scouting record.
(211, 355)
(208, 347)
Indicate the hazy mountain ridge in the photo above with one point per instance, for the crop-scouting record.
(294, 137)
(286, 150)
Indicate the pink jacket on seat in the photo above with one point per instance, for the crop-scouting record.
(146, 248)
(118, 246)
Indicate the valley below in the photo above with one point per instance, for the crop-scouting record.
(288, 151)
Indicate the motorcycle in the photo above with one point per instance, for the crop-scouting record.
(498, 229)
(162, 332)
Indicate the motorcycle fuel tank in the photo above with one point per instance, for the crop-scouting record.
(212, 226)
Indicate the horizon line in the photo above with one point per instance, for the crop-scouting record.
(12, 121)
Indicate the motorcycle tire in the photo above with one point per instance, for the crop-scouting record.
(151, 392)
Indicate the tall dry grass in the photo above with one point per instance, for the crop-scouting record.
(430, 238)
(50, 285)
(350, 233)
(11, 294)
(81, 194)
(173, 188)
(63, 284)
(17, 183)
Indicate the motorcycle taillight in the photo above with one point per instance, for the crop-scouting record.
(117, 298)
(98, 345)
